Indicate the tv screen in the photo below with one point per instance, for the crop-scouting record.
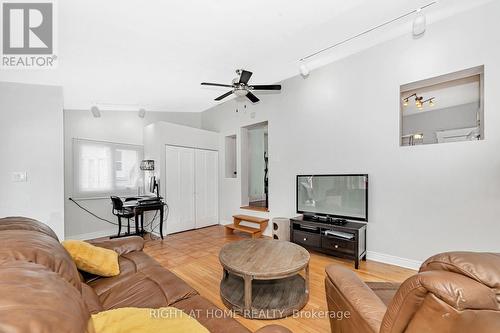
(341, 196)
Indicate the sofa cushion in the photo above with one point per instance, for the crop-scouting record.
(209, 315)
(24, 223)
(143, 283)
(120, 245)
(40, 248)
(130, 263)
(93, 259)
(133, 320)
(482, 267)
(90, 298)
(33, 299)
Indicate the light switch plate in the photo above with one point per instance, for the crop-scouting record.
(19, 177)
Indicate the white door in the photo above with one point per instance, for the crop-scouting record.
(206, 184)
(180, 188)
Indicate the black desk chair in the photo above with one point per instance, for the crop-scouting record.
(120, 212)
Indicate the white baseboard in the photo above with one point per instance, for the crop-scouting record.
(393, 260)
(224, 222)
(92, 235)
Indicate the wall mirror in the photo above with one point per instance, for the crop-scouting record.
(448, 108)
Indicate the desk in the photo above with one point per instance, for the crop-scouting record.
(139, 209)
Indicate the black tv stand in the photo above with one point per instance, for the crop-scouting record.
(346, 240)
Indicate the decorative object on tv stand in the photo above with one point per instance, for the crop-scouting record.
(281, 228)
(147, 165)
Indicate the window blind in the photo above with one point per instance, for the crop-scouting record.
(105, 168)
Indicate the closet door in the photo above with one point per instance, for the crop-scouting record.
(180, 188)
(207, 189)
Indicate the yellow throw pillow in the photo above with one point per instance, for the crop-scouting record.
(142, 320)
(93, 259)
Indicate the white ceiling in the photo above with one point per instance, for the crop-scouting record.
(155, 53)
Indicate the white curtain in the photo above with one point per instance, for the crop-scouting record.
(104, 168)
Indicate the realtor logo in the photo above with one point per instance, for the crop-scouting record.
(28, 34)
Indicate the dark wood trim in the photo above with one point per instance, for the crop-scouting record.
(256, 209)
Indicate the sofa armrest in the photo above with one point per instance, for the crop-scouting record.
(273, 329)
(121, 245)
(345, 292)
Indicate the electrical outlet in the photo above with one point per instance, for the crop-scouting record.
(19, 177)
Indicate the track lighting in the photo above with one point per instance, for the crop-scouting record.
(419, 101)
(142, 113)
(419, 23)
(95, 112)
(304, 70)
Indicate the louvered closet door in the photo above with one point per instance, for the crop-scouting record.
(206, 187)
(180, 188)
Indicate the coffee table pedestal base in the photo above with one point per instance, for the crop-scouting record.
(269, 299)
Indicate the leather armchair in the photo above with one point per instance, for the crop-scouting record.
(452, 292)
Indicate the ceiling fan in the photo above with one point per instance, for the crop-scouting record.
(240, 86)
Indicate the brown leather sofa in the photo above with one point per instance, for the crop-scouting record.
(42, 291)
(453, 292)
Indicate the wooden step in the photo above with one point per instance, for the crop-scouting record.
(253, 219)
(256, 233)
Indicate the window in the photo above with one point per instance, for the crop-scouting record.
(103, 168)
(447, 108)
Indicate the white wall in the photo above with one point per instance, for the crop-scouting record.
(112, 126)
(344, 118)
(31, 141)
(160, 134)
(428, 123)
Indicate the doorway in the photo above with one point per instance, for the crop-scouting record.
(255, 154)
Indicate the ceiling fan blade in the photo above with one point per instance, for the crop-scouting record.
(266, 87)
(216, 84)
(224, 96)
(245, 76)
(252, 97)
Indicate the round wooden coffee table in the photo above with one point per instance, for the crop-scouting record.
(261, 278)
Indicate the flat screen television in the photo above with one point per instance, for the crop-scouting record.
(335, 196)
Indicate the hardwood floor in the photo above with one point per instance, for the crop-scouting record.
(193, 256)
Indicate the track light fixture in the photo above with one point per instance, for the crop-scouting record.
(304, 70)
(142, 113)
(419, 101)
(419, 24)
(95, 111)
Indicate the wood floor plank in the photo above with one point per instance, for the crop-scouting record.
(193, 256)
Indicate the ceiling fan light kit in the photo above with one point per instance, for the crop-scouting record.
(241, 88)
